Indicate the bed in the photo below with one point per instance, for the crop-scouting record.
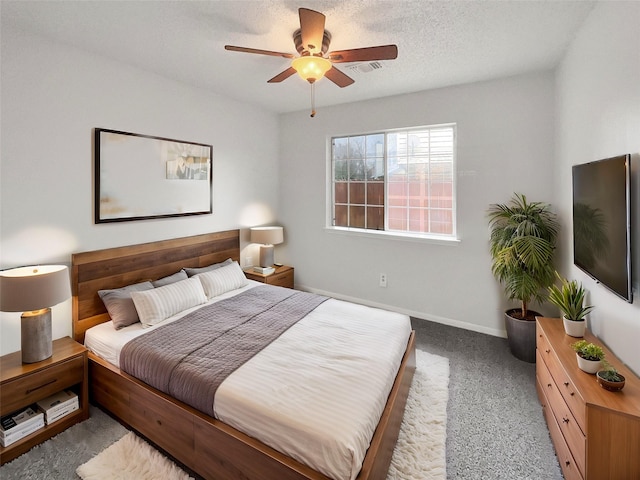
(208, 446)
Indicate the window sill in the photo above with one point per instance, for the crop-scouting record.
(410, 237)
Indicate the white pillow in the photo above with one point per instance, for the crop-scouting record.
(156, 305)
(222, 280)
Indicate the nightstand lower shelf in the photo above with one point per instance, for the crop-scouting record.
(22, 385)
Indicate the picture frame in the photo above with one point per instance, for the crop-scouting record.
(140, 177)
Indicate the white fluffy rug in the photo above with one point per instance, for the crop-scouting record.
(130, 458)
(419, 453)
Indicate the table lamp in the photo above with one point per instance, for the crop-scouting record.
(33, 290)
(268, 237)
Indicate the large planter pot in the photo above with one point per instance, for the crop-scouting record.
(574, 328)
(589, 366)
(521, 335)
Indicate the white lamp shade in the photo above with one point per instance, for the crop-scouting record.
(267, 235)
(33, 288)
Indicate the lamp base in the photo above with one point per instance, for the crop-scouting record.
(266, 255)
(36, 335)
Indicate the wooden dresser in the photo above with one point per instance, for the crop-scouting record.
(596, 433)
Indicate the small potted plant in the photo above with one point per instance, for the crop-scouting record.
(569, 298)
(589, 356)
(609, 378)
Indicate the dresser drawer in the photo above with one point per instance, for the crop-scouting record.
(565, 459)
(35, 386)
(542, 343)
(567, 389)
(571, 432)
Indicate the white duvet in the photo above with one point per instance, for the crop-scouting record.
(316, 393)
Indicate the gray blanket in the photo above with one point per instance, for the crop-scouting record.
(189, 358)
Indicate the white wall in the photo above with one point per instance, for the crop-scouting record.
(598, 111)
(53, 96)
(505, 144)
(52, 99)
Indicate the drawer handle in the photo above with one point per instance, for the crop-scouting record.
(566, 384)
(572, 393)
(549, 385)
(548, 350)
(567, 463)
(31, 390)
(565, 420)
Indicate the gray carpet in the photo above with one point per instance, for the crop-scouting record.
(495, 428)
(58, 458)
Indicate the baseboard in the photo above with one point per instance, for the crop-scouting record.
(412, 313)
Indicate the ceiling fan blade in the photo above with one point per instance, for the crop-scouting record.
(339, 78)
(257, 51)
(383, 52)
(311, 29)
(282, 76)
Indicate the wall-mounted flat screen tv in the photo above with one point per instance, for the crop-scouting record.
(602, 222)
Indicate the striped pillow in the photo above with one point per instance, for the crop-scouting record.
(156, 305)
(222, 280)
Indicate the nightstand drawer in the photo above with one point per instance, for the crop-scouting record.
(35, 386)
(284, 279)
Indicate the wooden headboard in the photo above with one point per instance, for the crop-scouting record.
(120, 266)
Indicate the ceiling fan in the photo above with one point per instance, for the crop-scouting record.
(312, 43)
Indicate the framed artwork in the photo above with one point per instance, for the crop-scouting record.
(138, 177)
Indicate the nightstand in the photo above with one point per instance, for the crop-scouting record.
(282, 277)
(22, 385)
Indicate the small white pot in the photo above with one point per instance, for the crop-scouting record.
(574, 328)
(589, 366)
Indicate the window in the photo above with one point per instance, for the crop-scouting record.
(396, 181)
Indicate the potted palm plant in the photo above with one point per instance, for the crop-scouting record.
(589, 355)
(569, 298)
(522, 244)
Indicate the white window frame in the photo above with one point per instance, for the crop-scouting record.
(386, 233)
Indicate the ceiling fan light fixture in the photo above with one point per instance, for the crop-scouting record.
(311, 68)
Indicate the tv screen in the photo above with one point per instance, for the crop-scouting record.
(602, 222)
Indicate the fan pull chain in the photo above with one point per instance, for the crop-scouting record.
(313, 100)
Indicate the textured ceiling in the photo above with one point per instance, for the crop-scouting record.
(440, 43)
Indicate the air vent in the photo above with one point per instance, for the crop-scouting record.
(365, 67)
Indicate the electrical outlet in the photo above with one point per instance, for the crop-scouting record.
(383, 280)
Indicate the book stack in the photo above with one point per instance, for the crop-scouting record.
(264, 270)
(19, 424)
(58, 405)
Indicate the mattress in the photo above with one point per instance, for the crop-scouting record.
(316, 393)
